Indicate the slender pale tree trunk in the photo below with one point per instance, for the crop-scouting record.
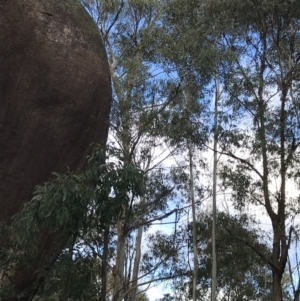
(104, 264)
(214, 211)
(138, 249)
(192, 198)
(137, 260)
(118, 269)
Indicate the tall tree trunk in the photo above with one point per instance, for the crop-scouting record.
(192, 196)
(136, 265)
(277, 288)
(118, 269)
(214, 212)
(138, 245)
(280, 247)
(104, 264)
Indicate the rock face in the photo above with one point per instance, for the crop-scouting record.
(55, 96)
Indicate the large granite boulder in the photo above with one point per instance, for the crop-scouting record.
(55, 97)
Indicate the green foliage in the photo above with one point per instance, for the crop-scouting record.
(241, 272)
(62, 203)
(72, 204)
(72, 278)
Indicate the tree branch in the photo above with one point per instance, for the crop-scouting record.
(136, 223)
(251, 166)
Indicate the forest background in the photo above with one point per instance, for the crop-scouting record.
(204, 134)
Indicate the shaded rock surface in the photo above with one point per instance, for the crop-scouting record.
(54, 94)
(55, 97)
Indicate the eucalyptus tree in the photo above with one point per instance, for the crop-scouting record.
(140, 97)
(242, 273)
(257, 46)
(195, 50)
(261, 137)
